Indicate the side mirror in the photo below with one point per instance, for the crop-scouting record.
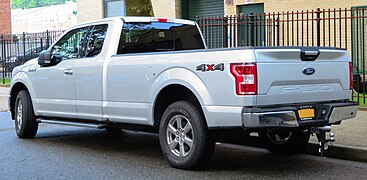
(44, 59)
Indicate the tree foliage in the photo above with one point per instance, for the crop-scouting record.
(25, 4)
(139, 8)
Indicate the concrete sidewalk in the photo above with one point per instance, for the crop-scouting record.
(351, 135)
(4, 91)
(351, 132)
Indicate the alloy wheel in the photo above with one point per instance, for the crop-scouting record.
(180, 135)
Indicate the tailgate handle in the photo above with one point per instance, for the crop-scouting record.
(309, 55)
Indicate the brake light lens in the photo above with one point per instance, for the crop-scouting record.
(246, 78)
(162, 20)
(350, 75)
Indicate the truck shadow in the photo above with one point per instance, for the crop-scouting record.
(145, 147)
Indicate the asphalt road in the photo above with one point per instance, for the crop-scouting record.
(61, 152)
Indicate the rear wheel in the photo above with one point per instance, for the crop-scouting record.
(284, 141)
(26, 125)
(184, 138)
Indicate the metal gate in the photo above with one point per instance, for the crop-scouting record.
(16, 49)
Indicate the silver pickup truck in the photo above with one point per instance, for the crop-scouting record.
(156, 74)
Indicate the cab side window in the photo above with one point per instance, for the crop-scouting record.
(95, 40)
(141, 37)
(71, 46)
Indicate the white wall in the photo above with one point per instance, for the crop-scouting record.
(58, 17)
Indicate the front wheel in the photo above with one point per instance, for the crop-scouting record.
(284, 141)
(26, 125)
(184, 138)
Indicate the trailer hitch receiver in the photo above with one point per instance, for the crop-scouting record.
(324, 136)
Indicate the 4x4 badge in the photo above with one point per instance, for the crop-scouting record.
(210, 67)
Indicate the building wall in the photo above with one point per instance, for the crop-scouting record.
(93, 9)
(5, 17)
(293, 5)
(166, 8)
(89, 10)
(58, 17)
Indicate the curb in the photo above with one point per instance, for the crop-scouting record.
(4, 85)
(338, 152)
(312, 148)
(362, 108)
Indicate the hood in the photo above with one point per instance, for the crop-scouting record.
(25, 67)
(31, 62)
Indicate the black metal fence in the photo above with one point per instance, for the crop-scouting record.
(16, 49)
(342, 28)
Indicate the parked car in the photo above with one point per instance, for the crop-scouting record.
(20, 59)
(156, 74)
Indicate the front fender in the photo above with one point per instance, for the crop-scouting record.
(22, 77)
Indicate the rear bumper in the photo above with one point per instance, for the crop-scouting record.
(325, 114)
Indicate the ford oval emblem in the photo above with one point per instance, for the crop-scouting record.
(308, 71)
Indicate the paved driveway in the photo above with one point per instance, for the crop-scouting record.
(60, 152)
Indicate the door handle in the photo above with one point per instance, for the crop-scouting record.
(68, 72)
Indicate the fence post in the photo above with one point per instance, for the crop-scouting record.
(252, 30)
(3, 57)
(278, 31)
(318, 29)
(225, 31)
(41, 40)
(23, 46)
(198, 21)
(47, 40)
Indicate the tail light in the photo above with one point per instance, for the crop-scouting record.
(350, 75)
(246, 78)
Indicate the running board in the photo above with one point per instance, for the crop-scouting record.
(78, 124)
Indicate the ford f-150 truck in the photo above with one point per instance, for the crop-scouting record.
(156, 74)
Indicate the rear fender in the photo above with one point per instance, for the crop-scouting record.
(179, 76)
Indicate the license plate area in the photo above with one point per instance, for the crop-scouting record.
(306, 113)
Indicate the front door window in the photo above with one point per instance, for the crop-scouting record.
(71, 46)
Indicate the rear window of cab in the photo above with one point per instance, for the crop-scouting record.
(141, 37)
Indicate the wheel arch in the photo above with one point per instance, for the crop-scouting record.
(16, 88)
(182, 83)
(170, 94)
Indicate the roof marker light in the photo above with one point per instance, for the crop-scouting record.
(163, 20)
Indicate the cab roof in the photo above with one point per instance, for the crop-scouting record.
(156, 19)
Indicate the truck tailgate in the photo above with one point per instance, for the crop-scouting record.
(301, 75)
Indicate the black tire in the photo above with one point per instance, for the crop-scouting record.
(202, 144)
(284, 141)
(26, 125)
